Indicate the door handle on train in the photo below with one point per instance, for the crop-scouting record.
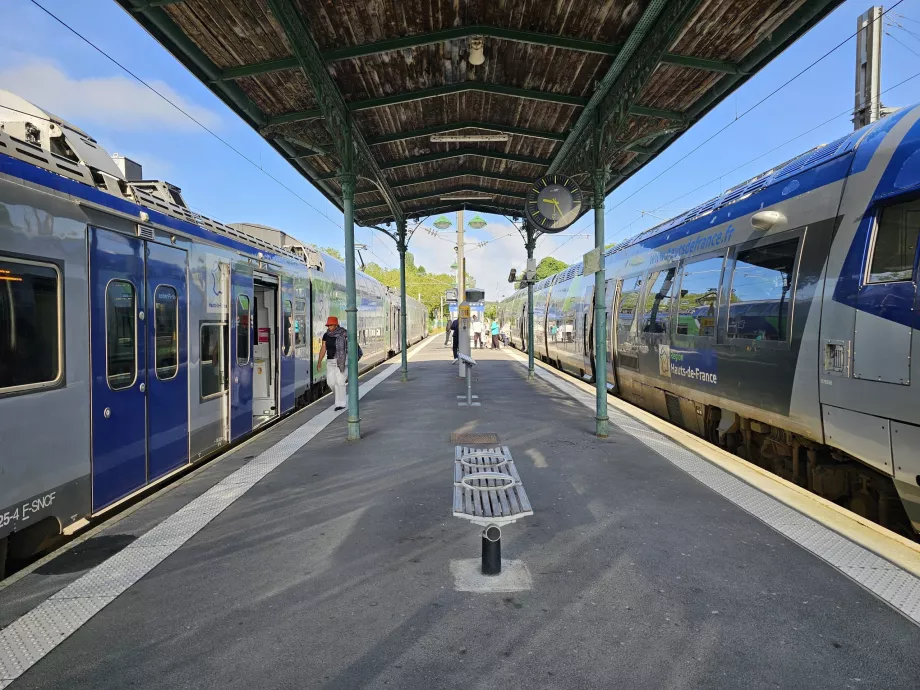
(107, 413)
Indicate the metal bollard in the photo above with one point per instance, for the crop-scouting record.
(469, 386)
(492, 550)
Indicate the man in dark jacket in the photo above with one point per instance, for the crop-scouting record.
(455, 329)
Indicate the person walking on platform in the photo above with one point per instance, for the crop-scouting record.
(494, 334)
(335, 348)
(477, 332)
(455, 330)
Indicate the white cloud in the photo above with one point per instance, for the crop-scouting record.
(118, 103)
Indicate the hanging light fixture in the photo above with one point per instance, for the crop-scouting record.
(477, 57)
(468, 138)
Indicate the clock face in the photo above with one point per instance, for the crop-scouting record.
(553, 203)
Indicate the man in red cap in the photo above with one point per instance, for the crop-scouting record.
(335, 348)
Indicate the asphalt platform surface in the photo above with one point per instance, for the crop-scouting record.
(334, 570)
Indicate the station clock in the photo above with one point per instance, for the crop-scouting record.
(553, 203)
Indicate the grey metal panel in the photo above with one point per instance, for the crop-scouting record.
(905, 449)
(863, 436)
(41, 226)
(881, 349)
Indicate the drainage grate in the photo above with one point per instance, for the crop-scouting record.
(472, 439)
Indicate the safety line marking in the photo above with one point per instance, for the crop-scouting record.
(890, 583)
(29, 638)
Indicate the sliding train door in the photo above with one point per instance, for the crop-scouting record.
(138, 295)
(240, 350)
(167, 360)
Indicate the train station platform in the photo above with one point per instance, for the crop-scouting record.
(301, 560)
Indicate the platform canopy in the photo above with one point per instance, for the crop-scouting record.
(361, 86)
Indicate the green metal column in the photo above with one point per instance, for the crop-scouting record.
(348, 180)
(530, 244)
(401, 246)
(599, 178)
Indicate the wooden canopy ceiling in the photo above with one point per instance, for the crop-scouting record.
(623, 76)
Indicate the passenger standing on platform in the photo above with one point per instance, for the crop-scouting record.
(335, 347)
(494, 334)
(477, 332)
(455, 329)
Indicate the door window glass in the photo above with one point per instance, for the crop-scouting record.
(243, 336)
(30, 324)
(300, 323)
(121, 334)
(626, 314)
(288, 325)
(759, 306)
(213, 371)
(895, 243)
(699, 297)
(656, 317)
(166, 331)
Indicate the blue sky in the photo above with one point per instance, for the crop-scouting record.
(51, 67)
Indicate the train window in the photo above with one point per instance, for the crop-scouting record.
(626, 321)
(300, 322)
(699, 297)
(243, 333)
(121, 334)
(657, 314)
(288, 325)
(895, 243)
(166, 331)
(762, 291)
(213, 371)
(30, 324)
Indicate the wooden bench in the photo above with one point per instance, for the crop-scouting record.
(488, 492)
(487, 486)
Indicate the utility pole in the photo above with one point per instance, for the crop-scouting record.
(868, 106)
(463, 307)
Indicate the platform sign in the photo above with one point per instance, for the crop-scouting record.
(592, 261)
(450, 295)
(464, 311)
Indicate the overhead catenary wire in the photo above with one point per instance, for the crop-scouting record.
(739, 117)
(181, 110)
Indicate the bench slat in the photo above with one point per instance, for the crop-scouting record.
(495, 501)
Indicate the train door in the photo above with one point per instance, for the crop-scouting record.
(138, 294)
(119, 402)
(240, 352)
(264, 351)
(167, 360)
(286, 360)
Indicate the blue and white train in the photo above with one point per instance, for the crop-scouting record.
(137, 337)
(776, 320)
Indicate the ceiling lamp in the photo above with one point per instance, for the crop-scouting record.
(477, 57)
(442, 223)
(466, 138)
(469, 197)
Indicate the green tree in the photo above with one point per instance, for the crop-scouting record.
(547, 267)
(431, 286)
(491, 311)
(333, 252)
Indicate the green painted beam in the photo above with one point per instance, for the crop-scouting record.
(408, 97)
(704, 64)
(266, 67)
(354, 154)
(447, 208)
(462, 32)
(468, 124)
(449, 89)
(516, 179)
(468, 189)
(656, 112)
(614, 98)
(485, 153)
(154, 4)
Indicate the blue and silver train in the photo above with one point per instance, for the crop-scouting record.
(137, 337)
(776, 320)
